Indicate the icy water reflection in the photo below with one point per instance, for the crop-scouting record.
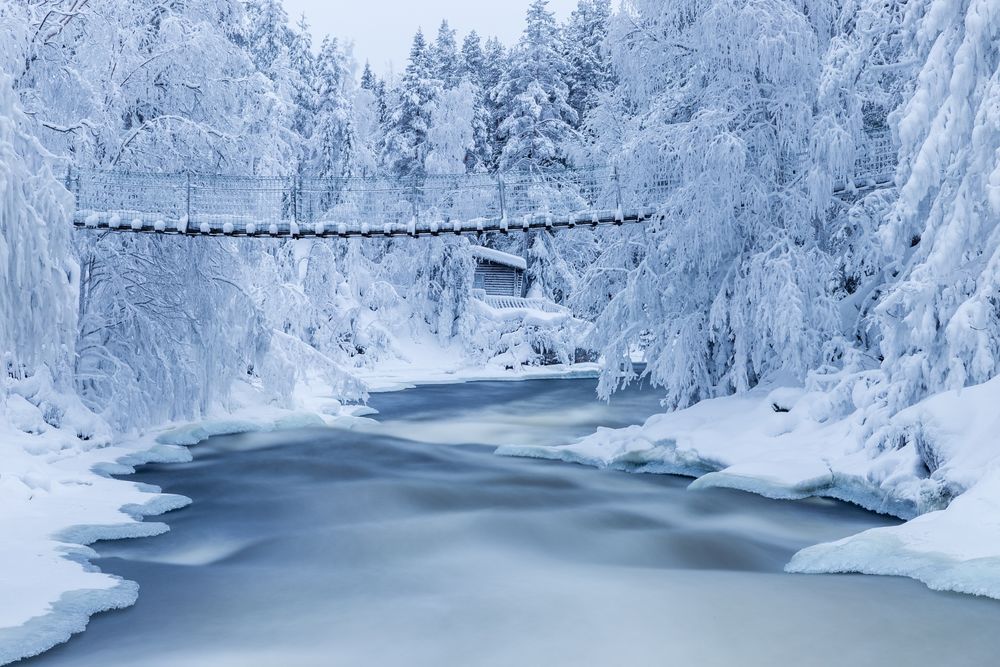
(385, 547)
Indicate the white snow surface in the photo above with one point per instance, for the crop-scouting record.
(774, 441)
(498, 257)
(420, 361)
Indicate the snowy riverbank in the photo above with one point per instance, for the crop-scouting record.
(769, 442)
(422, 362)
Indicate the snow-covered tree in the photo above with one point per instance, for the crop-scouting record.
(268, 38)
(473, 69)
(376, 86)
(451, 137)
(367, 133)
(472, 59)
(37, 272)
(537, 120)
(406, 137)
(445, 62)
(138, 85)
(181, 298)
(332, 137)
(149, 87)
(732, 284)
(939, 319)
(303, 65)
(588, 61)
(368, 79)
(496, 60)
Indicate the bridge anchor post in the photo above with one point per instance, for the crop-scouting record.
(619, 211)
(502, 192)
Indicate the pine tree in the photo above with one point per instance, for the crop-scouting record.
(303, 65)
(588, 59)
(473, 70)
(331, 139)
(406, 136)
(445, 61)
(533, 97)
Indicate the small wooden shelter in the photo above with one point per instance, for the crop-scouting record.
(498, 273)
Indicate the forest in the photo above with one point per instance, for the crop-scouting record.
(768, 286)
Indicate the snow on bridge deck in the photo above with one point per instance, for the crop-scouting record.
(228, 225)
(364, 207)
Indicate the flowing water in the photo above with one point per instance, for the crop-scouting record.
(408, 542)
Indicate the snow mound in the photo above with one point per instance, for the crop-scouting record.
(956, 549)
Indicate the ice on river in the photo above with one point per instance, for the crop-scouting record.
(378, 547)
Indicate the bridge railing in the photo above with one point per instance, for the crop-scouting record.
(153, 195)
(877, 157)
(259, 199)
(141, 200)
(228, 204)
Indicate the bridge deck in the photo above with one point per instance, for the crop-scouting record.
(135, 221)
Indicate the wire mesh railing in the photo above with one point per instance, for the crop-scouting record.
(196, 203)
(462, 203)
(877, 157)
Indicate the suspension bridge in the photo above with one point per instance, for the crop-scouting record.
(209, 205)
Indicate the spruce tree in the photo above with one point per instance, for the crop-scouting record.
(495, 63)
(473, 70)
(368, 77)
(472, 61)
(444, 57)
(303, 69)
(406, 136)
(331, 139)
(588, 59)
(537, 120)
(268, 37)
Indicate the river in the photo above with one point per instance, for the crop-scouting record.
(407, 542)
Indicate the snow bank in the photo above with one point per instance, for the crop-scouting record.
(943, 472)
(956, 549)
(420, 361)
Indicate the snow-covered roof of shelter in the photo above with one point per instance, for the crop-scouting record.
(497, 257)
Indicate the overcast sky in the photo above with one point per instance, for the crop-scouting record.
(383, 29)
